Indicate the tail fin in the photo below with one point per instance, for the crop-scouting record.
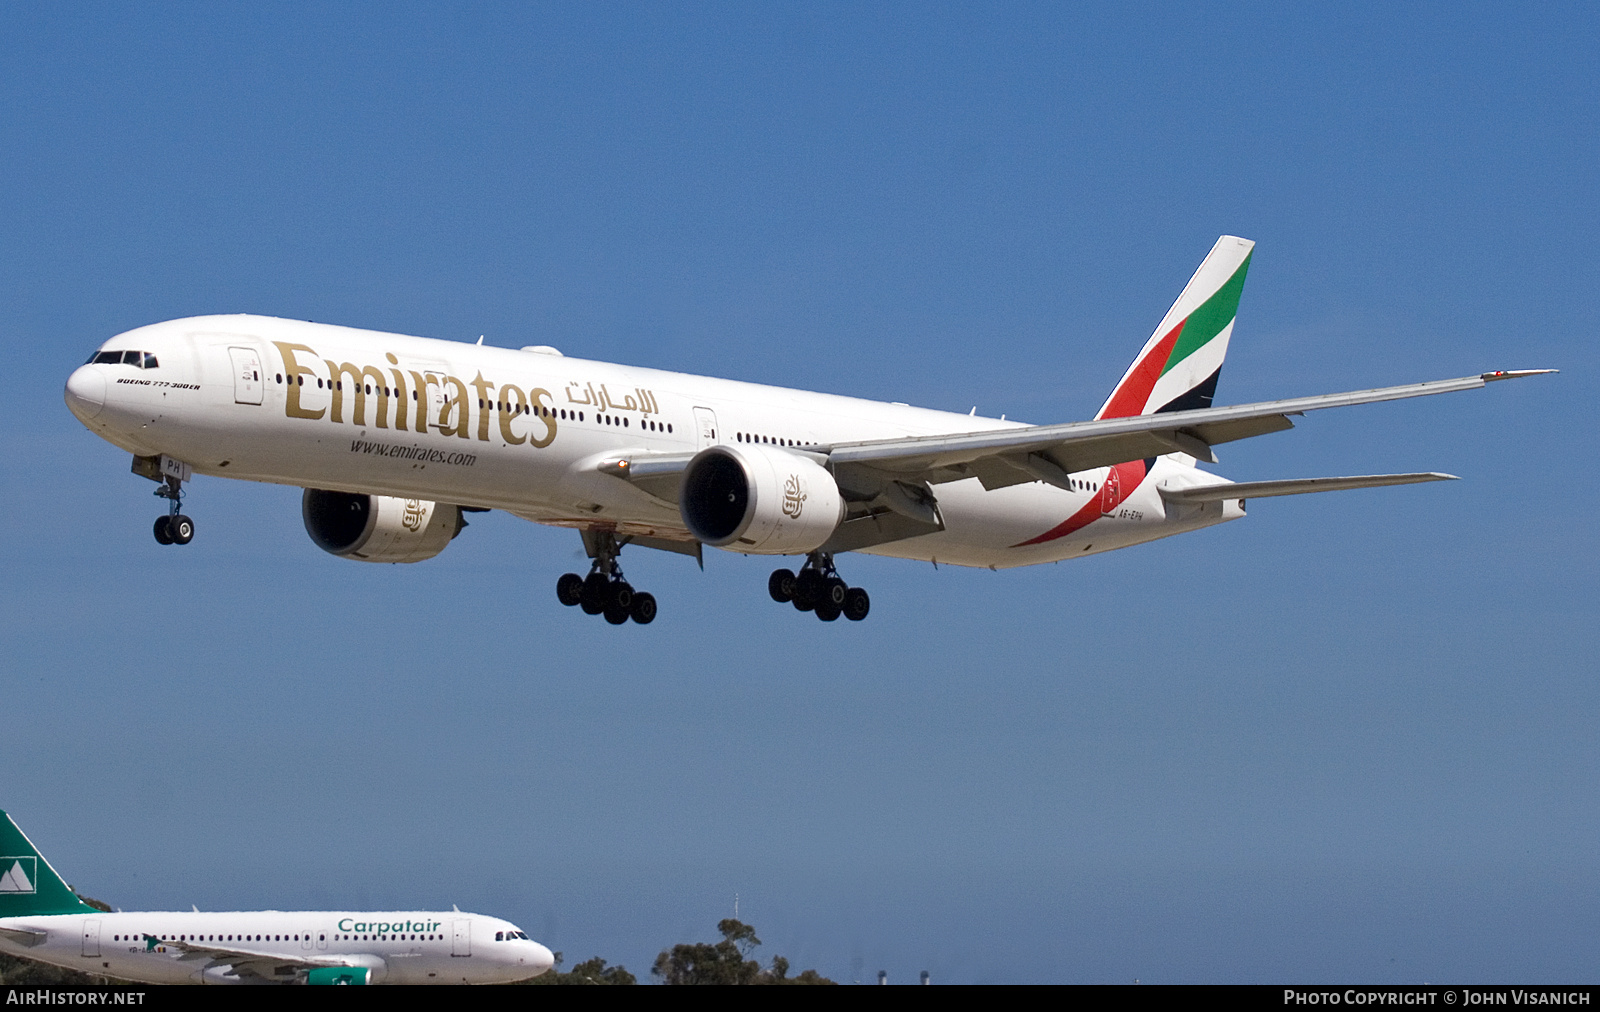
(1178, 368)
(28, 885)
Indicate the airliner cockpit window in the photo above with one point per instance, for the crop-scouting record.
(139, 359)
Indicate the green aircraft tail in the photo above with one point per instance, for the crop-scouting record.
(28, 885)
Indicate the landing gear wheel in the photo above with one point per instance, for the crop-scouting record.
(163, 530)
(620, 599)
(802, 605)
(808, 588)
(781, 586)
(827, 611)
(593, 596)
(181, 529)
(833, 593)
(644, 608)
(569, 589)
(615, 615)
(856, 604)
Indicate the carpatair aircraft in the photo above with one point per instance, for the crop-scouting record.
(394, 438)
(41, 918)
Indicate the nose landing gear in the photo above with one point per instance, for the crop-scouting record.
(817, 588)
(174, 528)
(604, 591)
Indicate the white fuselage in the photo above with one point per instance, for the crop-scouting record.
(367, 412)
(397, 947)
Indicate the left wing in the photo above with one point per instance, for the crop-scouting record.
(1050, 453)
(267, 966)
(1294, 486)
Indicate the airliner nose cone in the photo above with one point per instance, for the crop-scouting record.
(542, 959)
(86, 392)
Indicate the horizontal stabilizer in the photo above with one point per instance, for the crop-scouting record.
(23, 937)
(1295, 486)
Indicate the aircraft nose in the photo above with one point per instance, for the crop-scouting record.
(86, 392)
(541, 958)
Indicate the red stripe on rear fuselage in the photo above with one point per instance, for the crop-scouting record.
(1128, 475)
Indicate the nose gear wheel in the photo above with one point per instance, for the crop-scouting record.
(173, 528)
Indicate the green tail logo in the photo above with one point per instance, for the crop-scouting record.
(28, 885)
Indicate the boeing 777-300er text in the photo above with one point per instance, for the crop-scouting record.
(41, 918)
(394, 438)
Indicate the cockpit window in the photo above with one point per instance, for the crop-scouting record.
(139, 359)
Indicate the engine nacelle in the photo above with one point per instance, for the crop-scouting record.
(759, 499)
(378, 528)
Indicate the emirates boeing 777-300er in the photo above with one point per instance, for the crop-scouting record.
(42, 918)
(393, 438)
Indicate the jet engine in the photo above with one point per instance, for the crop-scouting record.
(378, 528)
(759, 499)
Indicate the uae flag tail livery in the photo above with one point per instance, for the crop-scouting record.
(1178, 367)
(1176, 370)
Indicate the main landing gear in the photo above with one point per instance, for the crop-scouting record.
(604, 591)
(817, 588)
(174, 528)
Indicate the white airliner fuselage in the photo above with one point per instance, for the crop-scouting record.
(280, 946)
(493, 453)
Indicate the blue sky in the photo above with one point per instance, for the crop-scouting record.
(1352, 737)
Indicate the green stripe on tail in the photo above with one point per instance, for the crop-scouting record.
(1211, 318)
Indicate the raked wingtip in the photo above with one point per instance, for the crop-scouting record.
(1506, 374)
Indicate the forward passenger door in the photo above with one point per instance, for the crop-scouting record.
(247, 382)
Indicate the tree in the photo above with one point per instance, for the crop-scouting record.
(590, 971)
(724, 962)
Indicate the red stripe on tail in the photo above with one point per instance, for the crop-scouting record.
(1129, 399)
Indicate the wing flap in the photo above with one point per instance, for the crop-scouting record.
(877, 528)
